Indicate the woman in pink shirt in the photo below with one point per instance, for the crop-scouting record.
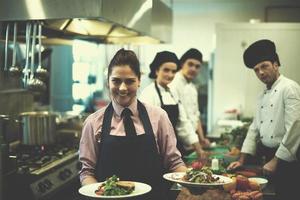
(140, 151)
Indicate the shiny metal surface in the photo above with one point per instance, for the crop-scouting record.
(38, 128)
(100, 21)
(133, 14)
(19, 10)
(162, 21)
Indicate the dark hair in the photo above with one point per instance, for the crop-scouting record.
(125, 57)
(191, 53)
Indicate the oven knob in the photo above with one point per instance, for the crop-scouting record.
(48, 184)
(41, 188)
(62, 175)
(68, 172)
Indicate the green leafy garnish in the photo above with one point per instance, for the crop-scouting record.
(110, 188)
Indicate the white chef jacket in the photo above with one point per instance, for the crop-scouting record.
(292, 142)
(188, 96)
(277, 109)
(150, 95)
(184, 127)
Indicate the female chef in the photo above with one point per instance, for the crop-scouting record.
(163, 69)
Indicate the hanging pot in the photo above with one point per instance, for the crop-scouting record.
(38, 128)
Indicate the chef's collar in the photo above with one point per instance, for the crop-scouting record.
(275, 83)
(118, 108)
(181, 76)
(162, 88)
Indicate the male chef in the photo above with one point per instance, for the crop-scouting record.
(278, 107)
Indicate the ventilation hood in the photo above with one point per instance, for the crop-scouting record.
(101, 21)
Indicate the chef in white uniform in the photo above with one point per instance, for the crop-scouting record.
(190, 65)
(278, 107)
(158, 93)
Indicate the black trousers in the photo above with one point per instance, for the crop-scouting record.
(285, 175)
(285, 178)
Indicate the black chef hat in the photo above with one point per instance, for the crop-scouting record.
(159, 59)
(259, 51)
(191, 53)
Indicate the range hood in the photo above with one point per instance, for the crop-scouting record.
(101, 21)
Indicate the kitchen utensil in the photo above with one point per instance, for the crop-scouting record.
(34, 84)
(3, 69)
(239, 168)
(26, 69)
(38, 128)
(14, 70)
(6, 47)
(41, 72)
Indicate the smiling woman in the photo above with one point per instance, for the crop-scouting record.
(123, 84)
(127, 138)
(124, 77)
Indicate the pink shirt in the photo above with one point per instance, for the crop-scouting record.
(161, 125)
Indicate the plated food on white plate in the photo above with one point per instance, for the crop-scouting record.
(261, 181)
(198, 176)
(113, 188)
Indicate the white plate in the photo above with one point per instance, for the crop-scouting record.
(261, 181)
(177, 178)
(89, 191)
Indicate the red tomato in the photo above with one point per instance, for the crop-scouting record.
(197, 165)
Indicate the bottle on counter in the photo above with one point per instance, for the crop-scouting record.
(215, 164)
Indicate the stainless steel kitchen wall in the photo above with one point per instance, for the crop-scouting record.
(95, 20)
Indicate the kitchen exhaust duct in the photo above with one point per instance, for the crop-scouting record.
(101, 21)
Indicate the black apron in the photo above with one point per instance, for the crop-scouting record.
(264, 153)
(173, 114)
(172, 110)
(285, 172)
(133, 158)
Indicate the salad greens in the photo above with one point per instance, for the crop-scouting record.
(200, 175)
(111, 188)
